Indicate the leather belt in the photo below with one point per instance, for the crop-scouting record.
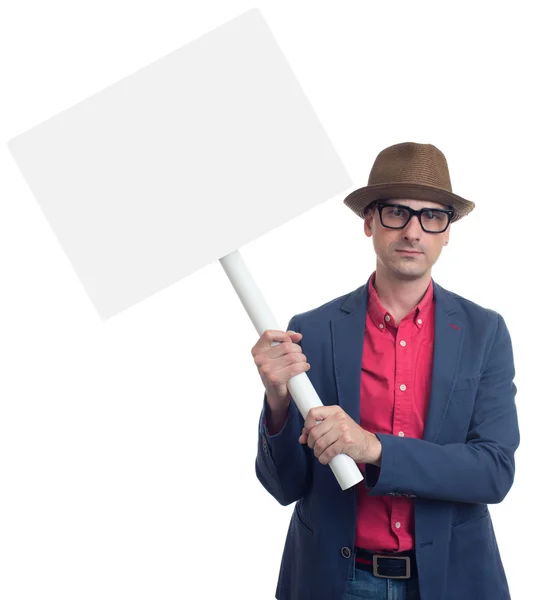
(394, 566)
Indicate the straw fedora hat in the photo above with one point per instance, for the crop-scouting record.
(410, 171)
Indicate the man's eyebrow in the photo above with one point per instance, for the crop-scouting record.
(398, 203)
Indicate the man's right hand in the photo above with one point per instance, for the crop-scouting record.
(277, 364)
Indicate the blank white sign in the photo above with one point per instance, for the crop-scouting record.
(179, 164)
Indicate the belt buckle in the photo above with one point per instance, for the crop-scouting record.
(407, 560)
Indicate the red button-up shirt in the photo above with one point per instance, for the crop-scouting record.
(396, 376)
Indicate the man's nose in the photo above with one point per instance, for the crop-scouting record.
(413, 229)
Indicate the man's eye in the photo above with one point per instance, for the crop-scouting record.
(434, 216)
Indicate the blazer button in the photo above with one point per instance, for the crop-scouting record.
(346, 552)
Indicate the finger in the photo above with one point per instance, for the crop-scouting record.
(295, 334)
(322, 430)
(321, 444)
(331, 451)
(270, 336)
(305, 433)
(307, 429)
(293, 351)
(318, 413)
(285, 355)
(317, 431)
(275, 336)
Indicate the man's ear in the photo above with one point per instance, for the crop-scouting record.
(369, 221)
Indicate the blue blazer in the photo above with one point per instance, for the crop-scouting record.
(464, 462)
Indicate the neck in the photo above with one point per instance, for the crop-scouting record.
(399, 296)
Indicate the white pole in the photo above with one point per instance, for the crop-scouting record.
(300, 387)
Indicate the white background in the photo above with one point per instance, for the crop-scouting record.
(103, 425)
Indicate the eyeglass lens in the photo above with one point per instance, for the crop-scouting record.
(432, 220)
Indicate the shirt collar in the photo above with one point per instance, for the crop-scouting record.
(382, 319)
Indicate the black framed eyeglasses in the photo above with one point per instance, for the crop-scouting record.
(432, 220)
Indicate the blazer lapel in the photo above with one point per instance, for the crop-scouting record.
(348, 334)
(448, 337)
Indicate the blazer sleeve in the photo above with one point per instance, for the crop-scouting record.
(283, 465)
(481, 470)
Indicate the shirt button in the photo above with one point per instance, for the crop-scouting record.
(346, 552)
(398, 525)
(402, 387)
(419, 321)
(381, 326)
(401, 434)
(403, 343)
(387, 317)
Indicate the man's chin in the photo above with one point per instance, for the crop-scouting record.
(408, 272)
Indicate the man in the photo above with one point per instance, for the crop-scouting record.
(417, 387)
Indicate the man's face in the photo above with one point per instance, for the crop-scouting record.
(389, 242)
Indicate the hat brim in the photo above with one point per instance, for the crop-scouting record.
(358, 200)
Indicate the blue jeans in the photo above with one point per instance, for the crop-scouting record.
(363, 584)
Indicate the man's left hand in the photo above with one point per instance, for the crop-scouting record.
(331, 431)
